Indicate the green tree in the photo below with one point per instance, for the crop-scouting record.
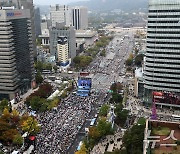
(139, 59)
(103, 53)
(4, 104)
(47, 66)
(133, 139)
(18, 140)
(129, 62)
(38, 41)
(116, 98)
(30, 125)
(77, 60)
(64, 94)
(94, 133)
(39, 66)
(55, 68)
(104, 110)
(35, 103)
(121, 117)
(104, 127)
(39, 78)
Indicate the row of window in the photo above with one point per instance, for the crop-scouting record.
(161, 86)
(163, 21)
(171, 48)
(163, 37)
(166, 63)
(163, 32)
(164, 77)
(167, 68)
(165, 11)
(164, 16)
(164, 53)
(165, 27)
(162, 72)
(164, 82)
(156, 42)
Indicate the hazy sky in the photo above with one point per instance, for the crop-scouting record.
(52, 2)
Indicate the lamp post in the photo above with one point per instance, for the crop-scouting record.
(24, 136)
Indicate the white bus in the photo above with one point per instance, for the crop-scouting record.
(93, 121)
(176, 118)
(79, 146)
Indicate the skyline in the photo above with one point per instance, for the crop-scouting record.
(53, 2)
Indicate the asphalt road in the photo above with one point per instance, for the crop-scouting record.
(105, 71)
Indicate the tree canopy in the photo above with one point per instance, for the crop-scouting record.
(133, 139)
(104, 110)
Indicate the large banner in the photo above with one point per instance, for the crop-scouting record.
(166, 98)
(84, 83)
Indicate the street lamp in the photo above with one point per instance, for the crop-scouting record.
(24, 136)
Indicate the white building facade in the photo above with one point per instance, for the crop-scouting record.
(60, 14)
(62, 51)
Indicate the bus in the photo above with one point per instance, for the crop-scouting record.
(70, 72)
(176, 118)
(79, 146)
(84, 73)
(46, 72)
(93, 121)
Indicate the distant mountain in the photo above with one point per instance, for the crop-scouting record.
(105, 5)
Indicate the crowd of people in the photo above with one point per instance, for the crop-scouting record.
(60, 126)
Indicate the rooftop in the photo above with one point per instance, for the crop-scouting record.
(166, 136)
(85, 33)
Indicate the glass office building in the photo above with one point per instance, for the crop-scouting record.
(16, 53)
(162, 64)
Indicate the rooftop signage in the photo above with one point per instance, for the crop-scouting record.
(12, 14)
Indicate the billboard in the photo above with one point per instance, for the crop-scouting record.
(166, 98)
(84, 83)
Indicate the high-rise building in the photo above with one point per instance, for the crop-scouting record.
(80, 18)
(62, 51)
(60, 14)
(162, 63)
(37, 22)
(55, 33)
(16, 52)
(24, 4)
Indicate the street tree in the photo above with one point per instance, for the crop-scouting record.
(121, 117)
(55, 68)
(138, 60)
(104, 110)
(4, 104)
(18, 140)
(30, 125)
(39, 78)
(94, 133)
(82, 150)
(104, 127)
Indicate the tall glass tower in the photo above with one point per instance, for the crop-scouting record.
(162, 64)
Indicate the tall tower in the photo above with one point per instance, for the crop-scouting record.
(60, 14)
(162, 62)
(24, 4)
(62, 51)
(80, 18)
(68, 32)
(16, 53)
